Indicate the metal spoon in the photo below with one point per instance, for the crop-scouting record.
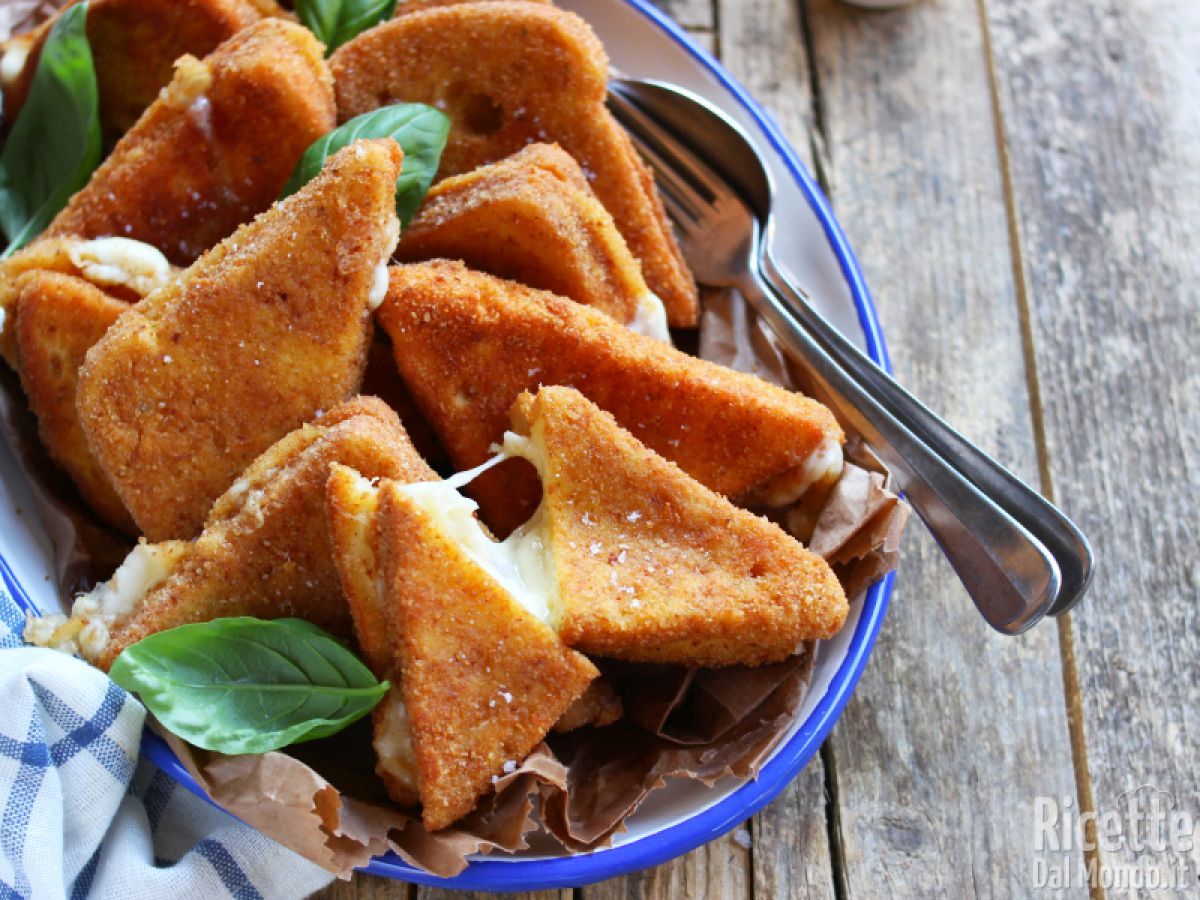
(1018, 555)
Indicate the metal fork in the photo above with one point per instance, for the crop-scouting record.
(977, 511)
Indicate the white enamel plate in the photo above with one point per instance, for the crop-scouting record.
(641, 42)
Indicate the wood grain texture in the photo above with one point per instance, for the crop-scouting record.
(790, 851)
(1102, 125)
(762, 43)
(424, 893)
(720, 870)
(367, 887)
(954, 730)
(691, 14)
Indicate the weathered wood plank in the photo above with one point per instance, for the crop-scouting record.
(367, 887)
(720, 870)
(790, 852)
(762, 42)
(691, 14)
(954, 730)
(1100, 113)
(425, 893)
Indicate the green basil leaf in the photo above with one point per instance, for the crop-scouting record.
(419, 129)
(246, 685)
(337, 21)
(54, 145)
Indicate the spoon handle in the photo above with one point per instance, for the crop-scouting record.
(1011, 577)
(1045, 521)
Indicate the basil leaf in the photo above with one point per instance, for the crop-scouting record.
(54, 145)
(419, 129)
(246, 685)
(337, 21)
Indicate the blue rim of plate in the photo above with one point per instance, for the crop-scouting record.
(789, 758)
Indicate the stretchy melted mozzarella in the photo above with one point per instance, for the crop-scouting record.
(521, 563)
(822, 466)
(121, 261)
(86, 631)
(650, 319)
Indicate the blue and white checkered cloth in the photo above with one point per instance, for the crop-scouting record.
(84, 817)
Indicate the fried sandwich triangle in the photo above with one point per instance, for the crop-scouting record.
(510, 74)
(252, 340)
(198, 163)
(651, 566)
(214, 149)
(534, 218)
(60, 318)
(265, 549)
(134, 44)
(467, 344)
(627, 557)
(479, 679)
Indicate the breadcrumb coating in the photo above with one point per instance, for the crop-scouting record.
(134, 45)
(45, 255)
(654, 567)
(258, 335)
(510, 74)
(483, 679)
(61, 317)
(265, 550)
(214, 149)
(533, 218)
(467, 344)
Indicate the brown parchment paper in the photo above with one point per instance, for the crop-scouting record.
(323, 799)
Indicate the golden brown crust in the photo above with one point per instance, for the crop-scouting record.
(352, 510)
(216, 148)
(382, 380)
(258, 335)
(598, 706)
(268, 553)
(510, 74)
(654, 567)
(405, 7)
(44, 254)
(61, 317)
(134, 45)
(467, 344)
(483, 679)
(533, 218)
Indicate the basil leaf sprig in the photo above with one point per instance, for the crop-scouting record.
(54, 145)
(337, 21)
(245, 685)
(419, 129)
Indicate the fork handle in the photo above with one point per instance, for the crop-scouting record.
(1059, 534)
(1011, 577)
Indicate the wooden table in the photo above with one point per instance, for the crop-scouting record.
(1021, 181)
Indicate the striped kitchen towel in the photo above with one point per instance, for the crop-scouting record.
(83, 816)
